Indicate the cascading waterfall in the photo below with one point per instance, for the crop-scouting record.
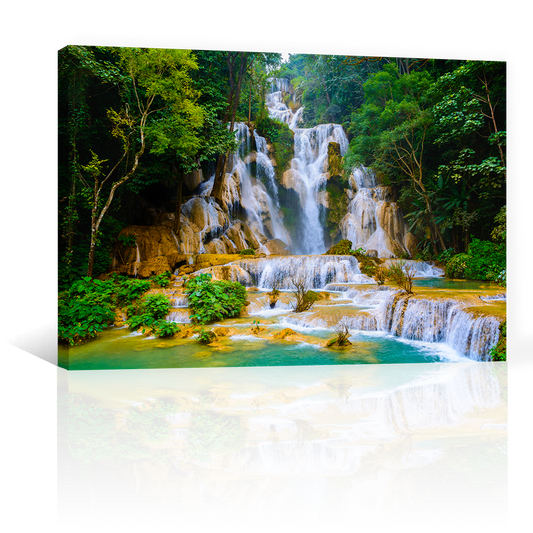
(308, 170)
(207, 227)
(440, 321)
(309, 164)
(373, 221)
(318, 271)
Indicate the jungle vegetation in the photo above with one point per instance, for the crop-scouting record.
(133, 122)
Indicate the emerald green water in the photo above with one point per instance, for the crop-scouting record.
(119, 349)
(444, 283)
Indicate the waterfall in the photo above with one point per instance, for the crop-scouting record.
(310, 166)
(259, 195)
(373, 221)
(308, 170)
(431, 320)
(318, 271)
(266, 172)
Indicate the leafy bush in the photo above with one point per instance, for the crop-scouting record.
(205, 336)
(402, 275)
(155, 305)
(486, 260)
(281, 138)
(163, 328)
(456, 266)
(128, 290)
(80, 319)
(163, 280)
(445, 256)
(499, 352)
(248, 251)
(343, 247)
(149, 313)
(213, 434)
(214, 300)
(88, 307)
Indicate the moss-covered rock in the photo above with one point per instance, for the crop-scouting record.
(335, 166)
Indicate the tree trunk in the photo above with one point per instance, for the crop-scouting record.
(231, 111)
(177, 216)
(95, 515)
(493, 118)
(94, 229)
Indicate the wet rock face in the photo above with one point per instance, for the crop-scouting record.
(147, 250)
(374, 220)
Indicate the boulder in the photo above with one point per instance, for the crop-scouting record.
(148, 250)
(334, 159)
(153, 267)
(291, 179)
(277, 247)
(287, 332)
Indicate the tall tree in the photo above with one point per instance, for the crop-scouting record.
(157, 96)
(469, 113)
(237, 63)
(391, 132)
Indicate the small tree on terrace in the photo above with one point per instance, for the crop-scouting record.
(305, 297)
(403, 275)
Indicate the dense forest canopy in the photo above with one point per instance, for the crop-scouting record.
(133, 123)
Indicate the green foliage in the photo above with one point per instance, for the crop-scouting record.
(149, 314)
(456, 266)
(126, 240)
(282, 139)
(205, 336)
(499, 356)
(402, 274)
(89, 306)
(164, 328)
(128, 290)
(155, 305)
(445, 256)
(214, 300)
(81, 319)
(499, 233)
(163, 280)
(212, 434)
(486, 260)
(343, 247)
(247, 251)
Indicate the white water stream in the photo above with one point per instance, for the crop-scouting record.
(308, 170)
